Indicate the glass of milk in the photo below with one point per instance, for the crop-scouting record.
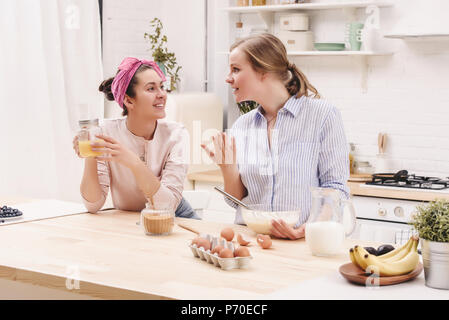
(332, 218)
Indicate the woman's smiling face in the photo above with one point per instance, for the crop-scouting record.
(150, 96)
(243, 79)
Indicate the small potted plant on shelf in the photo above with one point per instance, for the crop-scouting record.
(431, 221)
(165, 59)
(246, 106)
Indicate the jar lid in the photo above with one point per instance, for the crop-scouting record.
(89, 122)
(352, 146)
(362, 164)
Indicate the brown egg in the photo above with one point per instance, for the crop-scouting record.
(227, 233)
(241, 252)
(264, 241)
(242, 241)
(195, 241)
(226, 253)
(217, 249)
(203, 243)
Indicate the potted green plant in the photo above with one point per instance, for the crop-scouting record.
(164, 58)
(431, 221)
(246, 106)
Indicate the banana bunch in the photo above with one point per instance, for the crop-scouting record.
(400, 261)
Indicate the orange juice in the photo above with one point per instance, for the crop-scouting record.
(86, 149)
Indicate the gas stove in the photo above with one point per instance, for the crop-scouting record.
(403, 179)
(387, 219)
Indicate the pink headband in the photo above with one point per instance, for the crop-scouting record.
(128, 68)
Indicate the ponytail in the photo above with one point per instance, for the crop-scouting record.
(298, 84)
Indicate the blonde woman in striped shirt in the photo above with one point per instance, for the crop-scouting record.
(293, 140)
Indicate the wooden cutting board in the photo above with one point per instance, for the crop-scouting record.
(354, 274)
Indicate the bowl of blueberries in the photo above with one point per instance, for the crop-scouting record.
(9, 213)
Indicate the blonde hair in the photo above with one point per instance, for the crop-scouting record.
(267, 54)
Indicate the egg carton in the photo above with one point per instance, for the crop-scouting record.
(223, 263)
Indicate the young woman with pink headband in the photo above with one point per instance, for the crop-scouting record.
(143, 156)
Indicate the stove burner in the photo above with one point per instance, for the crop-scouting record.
(405, 180)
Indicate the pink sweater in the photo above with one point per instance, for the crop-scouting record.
(166, 155)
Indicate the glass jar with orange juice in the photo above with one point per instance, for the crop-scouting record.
(89, 128)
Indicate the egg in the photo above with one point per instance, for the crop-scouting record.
(242, 241)
(195, 241)
(241, 252)
(227, 233)
(264, 241)
(226, 253)
(203, 243)
(217, 249)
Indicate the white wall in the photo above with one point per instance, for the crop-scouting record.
(124, 26)
(407, 94)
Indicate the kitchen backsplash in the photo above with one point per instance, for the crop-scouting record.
(406, 95)
(407, 98)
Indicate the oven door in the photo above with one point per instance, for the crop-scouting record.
(382, 231)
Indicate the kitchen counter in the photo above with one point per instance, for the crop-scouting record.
(362, 189)
(206, 176)
(356, 188)
(107, 256)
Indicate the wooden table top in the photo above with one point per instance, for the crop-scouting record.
(112, 258)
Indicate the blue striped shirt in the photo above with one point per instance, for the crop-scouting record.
(308, 149)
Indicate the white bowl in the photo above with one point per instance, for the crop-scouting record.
(258, 218)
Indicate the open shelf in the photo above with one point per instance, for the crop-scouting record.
(332, 53)
(309, 6)
(348, 9)
(419, 36)
(338, 53)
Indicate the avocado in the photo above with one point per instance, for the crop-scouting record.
(385, 248)
(371, 250)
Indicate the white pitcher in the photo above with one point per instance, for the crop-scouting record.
(332, 218)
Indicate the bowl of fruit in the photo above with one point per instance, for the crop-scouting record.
(383, 266)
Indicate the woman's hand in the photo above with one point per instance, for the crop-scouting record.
(76, 146)
(112, 150)
(224, 154)
(280, 229)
